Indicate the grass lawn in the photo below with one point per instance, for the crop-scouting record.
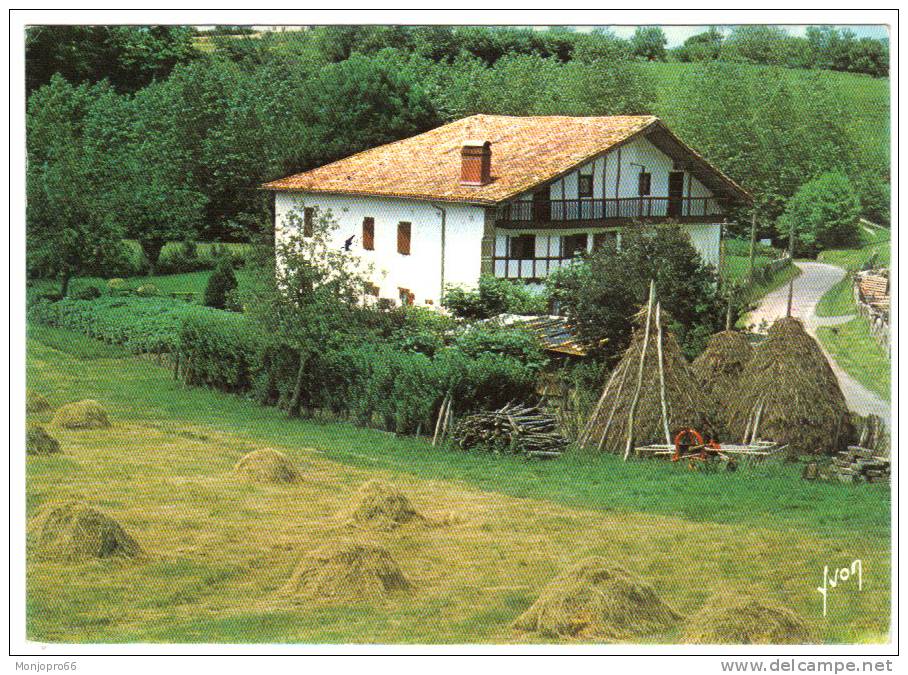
(855, 350)
(218, 550)
(875, 243)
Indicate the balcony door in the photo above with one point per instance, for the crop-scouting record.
(675, 193)
(542, 205)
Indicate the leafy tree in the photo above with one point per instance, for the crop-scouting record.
(303, 294)
(601, 294)
(129, 57)
(823, 214)
(706, 46)
(649, 43)
(221, 285)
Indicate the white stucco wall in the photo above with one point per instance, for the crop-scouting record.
(420, 272)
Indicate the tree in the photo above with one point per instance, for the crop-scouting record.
(304, 293)
(221, 285)
(649, 43)
(823, 213)
(129, 57)
(601, 294)
(491, 297)
(705, 46)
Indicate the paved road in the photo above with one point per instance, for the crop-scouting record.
(813, 282)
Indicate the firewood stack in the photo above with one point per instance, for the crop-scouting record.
(515, 428)
(857, 464)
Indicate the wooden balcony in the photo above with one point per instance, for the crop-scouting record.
(564, 213)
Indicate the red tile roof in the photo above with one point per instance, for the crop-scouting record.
(526, 151)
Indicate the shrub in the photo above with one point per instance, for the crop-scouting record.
(491, 297)
(147, 290)
(514, 342)
(221, 284)
(217, 350)
(824, 214)
(87, 293)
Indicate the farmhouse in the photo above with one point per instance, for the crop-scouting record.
(517, 197)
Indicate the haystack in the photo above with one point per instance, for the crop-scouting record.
(789, 394)
(718, 369)
(86, 414)
(266, 466)
(651, 394)
(75, 531)
(347, 572)
(595, 599)
(740, 620)
(35, 403)
(39, 442)
(381, 506)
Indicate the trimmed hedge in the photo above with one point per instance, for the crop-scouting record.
(140, 324)
(216, 350)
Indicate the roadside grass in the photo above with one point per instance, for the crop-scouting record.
(217, 551)
(838, 300)
(853, 347)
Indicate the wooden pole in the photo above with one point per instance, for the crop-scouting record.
(588, 429)
(753, 248)
(728, 312)
(753, 437)
(441, 414)
(633, 410)
(668, 436)
(791, 285)
(611, 416)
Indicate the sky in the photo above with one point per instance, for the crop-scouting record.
(676, 35)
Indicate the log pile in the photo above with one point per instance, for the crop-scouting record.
(515, 429)
(855, 465)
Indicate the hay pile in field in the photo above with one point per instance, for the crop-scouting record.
(86, 414)
(790, 394)
(39, 442)
(347, 572)
(381, 506)
(633, 397)
(595, 599)
(739, 620)
(266, 466)
(35, 403)
(75, 531)
(719, 367)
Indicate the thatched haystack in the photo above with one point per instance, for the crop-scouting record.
(39, 442)
(35, 403)
(87, 414)
(381, 506)
(719, 367)
(789, 393)
(345, 573)
(595, 599)
(651, 394)
(75, 531)
(266, 466)
(740, 620)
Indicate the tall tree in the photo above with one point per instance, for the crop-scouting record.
(649, 43)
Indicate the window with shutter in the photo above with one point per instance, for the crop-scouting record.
(308, 221)
(369, 234)
(403, 238)
(406, 296)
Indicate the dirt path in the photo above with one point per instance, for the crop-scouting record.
(813, 282)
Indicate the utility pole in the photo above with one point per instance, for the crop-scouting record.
(753, 247)
(791, 256)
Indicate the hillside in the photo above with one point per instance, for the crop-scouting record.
(866, 97)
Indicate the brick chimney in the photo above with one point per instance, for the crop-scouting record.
(476, 163)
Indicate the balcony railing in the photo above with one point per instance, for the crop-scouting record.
(624, 208)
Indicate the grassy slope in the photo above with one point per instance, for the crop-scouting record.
(219, 550)
(855, 350)
(838, 300)
(875, 244)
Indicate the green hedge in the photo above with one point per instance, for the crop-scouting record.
(216, 350)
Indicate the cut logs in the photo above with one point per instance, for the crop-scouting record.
(514, 429)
